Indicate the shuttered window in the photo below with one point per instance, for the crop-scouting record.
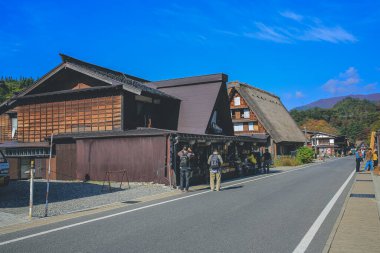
(246, 113)
(236, 100)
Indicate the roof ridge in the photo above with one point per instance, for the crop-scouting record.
(237, 83)
(70, 59)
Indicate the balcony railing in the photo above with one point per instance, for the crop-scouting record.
(242, 117)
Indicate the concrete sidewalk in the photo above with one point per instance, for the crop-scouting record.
(358, 227)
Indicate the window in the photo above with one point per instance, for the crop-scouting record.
(14, 127)
(236, 100)
(250, 126)
(238, 127)
(246, 113)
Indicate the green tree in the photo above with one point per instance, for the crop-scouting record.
(10, 86)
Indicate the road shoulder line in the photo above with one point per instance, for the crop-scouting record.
(310, 234)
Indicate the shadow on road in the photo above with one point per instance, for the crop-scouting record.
(16, 194)
(232, 187)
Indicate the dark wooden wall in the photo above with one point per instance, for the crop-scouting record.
(14, 168)
(143, 158)
(66, 161)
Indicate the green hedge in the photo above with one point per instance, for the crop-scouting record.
(305, 155)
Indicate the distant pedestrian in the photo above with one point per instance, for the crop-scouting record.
(358, 159)
(184, 168)
(267, 161)
(375, 159)
(215, 161)
(259, 160)
(251, 159)
(323, 156)
(369, 160)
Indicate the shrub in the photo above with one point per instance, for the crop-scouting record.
(286, 161)
(305, 155)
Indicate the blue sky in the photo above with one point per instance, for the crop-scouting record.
(299, 50)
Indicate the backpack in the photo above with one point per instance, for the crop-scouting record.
(214, 163)
(184, 161)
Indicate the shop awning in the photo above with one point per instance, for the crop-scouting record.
(18, 149)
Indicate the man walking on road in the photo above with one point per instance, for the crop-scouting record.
(215, 161)
(368, 158)
(184, 168)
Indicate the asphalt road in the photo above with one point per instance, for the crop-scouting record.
(271, 214)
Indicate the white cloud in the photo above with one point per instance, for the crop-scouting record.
(370, 86)
(347, 82)
(329, 34)
(268, 33)
(306, 29)
(291, 15)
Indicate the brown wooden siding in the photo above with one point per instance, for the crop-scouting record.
(5, 128)
(36, 121)
(143, 158)
(66, 161)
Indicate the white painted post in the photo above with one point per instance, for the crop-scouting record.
(48, 177)
(31, 189)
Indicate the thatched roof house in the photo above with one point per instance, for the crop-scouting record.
(267, 111)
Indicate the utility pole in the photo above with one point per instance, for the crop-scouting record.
(305, 136)
(31, 189)
(48, 177)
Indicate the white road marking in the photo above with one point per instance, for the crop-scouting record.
(143, 207)
(306, 240)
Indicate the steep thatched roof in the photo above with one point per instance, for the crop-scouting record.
(271, 113)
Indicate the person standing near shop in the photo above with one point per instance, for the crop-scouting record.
(375, 159)
(184, 168)
(215, 161)
(258, 160)
(252, 160)
(358, 159)
(368, 159)
(267, 160)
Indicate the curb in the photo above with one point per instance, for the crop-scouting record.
(329, 241)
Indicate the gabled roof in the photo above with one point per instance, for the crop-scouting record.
(270, 112)
(198, 97)
(321, 133)
(111, 77)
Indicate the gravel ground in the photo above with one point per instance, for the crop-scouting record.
(67, 196)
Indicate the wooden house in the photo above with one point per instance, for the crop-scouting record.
(104, 120)
(255, 111)
(327, 144)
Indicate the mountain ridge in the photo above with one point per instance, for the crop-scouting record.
(327, 103)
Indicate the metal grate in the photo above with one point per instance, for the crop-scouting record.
(364, 180)
(359, 195)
